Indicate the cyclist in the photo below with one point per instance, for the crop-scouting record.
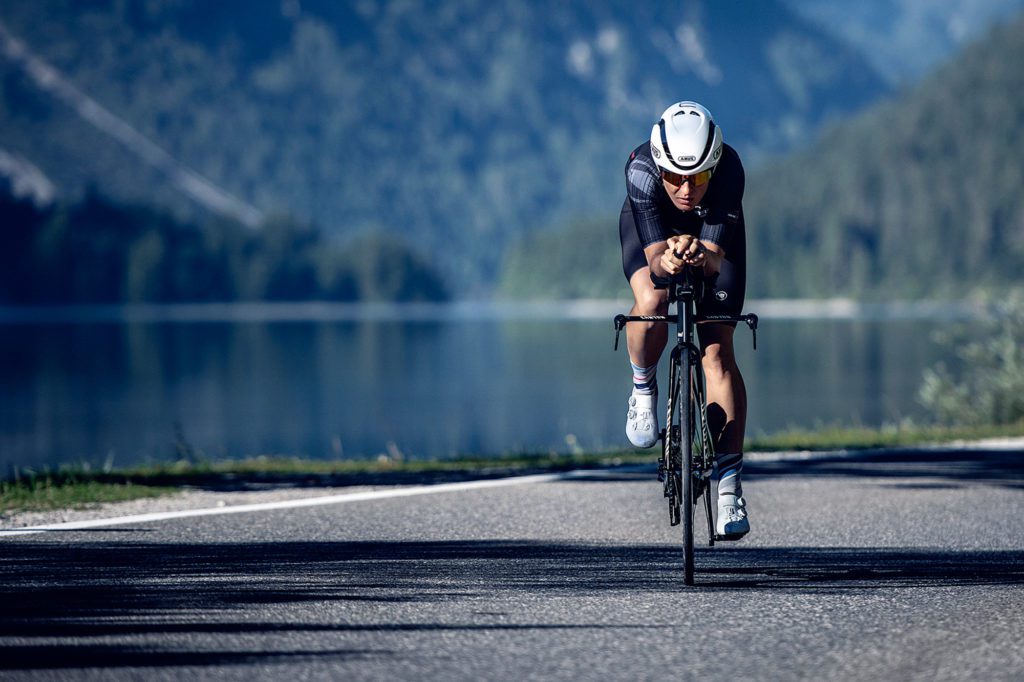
(683, 207)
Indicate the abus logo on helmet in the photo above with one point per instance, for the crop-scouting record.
(718, 152)
(686, 158)
(655, 152)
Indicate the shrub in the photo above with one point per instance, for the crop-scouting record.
(988, 388)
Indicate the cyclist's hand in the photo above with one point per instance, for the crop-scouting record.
(682, 251)
(672, 260)
(694, 254)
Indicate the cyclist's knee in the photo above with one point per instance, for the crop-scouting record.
(719, 359)
(649, 301)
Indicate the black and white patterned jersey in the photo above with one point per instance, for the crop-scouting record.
(719, 214)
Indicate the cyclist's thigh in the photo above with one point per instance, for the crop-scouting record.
(726, 291)
(717, 334)
(633, 257)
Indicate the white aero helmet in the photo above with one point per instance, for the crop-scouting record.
(686, 140)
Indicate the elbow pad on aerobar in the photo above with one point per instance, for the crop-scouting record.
(660, 282)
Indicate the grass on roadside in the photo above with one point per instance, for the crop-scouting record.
(860, 438)
(72, 487)
(42, 492)
(76, 487)
(272, 466)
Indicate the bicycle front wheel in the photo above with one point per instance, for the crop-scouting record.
(684, 401)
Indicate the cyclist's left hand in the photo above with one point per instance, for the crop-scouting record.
(694, 254)
(702, 255)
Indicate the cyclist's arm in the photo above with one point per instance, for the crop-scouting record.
(714, 254)
(654, 253)
(711, 236)
(661, 256)
(726, 211)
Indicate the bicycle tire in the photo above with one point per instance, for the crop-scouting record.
(671, 460)
(686, 421)
(705, 455)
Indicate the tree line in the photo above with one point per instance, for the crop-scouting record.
(96, 250)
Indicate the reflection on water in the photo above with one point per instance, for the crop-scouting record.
(97, 390)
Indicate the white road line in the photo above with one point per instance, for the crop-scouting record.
(304, 502)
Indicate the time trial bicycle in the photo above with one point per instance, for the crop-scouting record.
(687, 457)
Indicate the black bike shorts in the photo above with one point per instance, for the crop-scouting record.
(726, 290)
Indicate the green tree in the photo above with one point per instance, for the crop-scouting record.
(583, 260)
(98, 251)
(989, 386)
(387, 269)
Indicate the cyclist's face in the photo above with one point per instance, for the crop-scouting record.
(686, 191)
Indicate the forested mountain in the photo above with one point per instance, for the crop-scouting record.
(905, 39)
(459, 125)
(918, 197)
(98, 251)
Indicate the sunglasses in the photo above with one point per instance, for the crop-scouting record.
(695, 180)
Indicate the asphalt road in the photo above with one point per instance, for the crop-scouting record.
(891, 566)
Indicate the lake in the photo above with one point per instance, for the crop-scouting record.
(124, 385)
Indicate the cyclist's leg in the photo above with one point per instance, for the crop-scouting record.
(727, 416)
(645, 342)
(726, 392)
(727, 396)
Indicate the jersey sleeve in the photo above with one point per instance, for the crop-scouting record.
(727, 206)
(641, 187)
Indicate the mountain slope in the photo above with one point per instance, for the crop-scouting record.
(920, 197)
(905, 39)
(460, 125)
(50, 81)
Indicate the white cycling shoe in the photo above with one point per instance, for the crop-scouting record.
(642, 420)
(732, 521)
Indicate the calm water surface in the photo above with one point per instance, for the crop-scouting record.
(127, 392)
